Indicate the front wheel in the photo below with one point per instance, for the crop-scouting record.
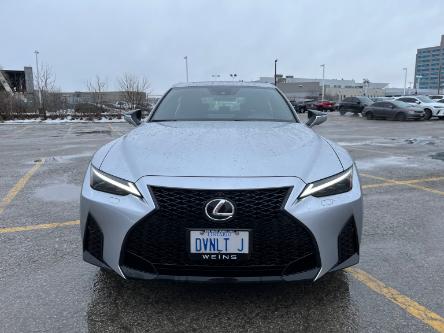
(428, 114)
(401, 117)
(369, 116)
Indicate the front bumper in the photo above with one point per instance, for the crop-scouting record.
(115, 216)
(415, 115)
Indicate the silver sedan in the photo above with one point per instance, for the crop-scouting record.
(222, 182)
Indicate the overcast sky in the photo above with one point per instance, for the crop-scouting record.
(355, 39)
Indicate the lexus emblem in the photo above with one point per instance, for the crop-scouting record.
(219, 209)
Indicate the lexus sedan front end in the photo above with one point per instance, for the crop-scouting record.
(222, 183)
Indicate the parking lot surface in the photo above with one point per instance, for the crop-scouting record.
(398, 285)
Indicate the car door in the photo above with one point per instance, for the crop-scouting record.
(377, 109)
(345, 104)
(356, 105)
(388, 110)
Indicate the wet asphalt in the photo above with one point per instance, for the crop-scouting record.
(46, 287)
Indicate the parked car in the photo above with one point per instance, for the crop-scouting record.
(324, 105)
(204, 192)
(431, 108)
(394, 110)
(381, 99)
(302, 106)
(436, 97)
(354, 104)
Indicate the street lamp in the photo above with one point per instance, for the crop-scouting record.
(439, 79)
(323, 81)
(233, 76)
(275, 64)
(38, 78)
(186, 66)
(405, 79)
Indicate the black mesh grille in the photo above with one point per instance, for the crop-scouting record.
(347, 241)
(277, 238)
(93, 242)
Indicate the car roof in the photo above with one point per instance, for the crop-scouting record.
(224, 83)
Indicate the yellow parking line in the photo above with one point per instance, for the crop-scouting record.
(22, 129)
(114, 130)
(415, 309)
(19, 186)
(421, 180)
(38, 227)
(377, 185)
(409, 183)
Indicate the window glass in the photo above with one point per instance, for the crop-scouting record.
(223, 102)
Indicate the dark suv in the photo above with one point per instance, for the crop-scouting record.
(354, 104)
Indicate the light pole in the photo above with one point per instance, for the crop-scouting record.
(439, 79)
(418, 78)
(38, 78)
(215, 76)
(323, 81)
(233, 76)
(405, 79)
(186, 66)
(275, 65)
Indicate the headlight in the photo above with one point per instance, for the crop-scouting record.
(340, 183)
(104, 182)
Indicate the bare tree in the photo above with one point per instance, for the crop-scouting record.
(46, 83)
(134, 89)
(97, 87)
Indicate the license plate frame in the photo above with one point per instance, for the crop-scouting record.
(219, 257)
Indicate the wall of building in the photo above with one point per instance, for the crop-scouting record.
(430, 66)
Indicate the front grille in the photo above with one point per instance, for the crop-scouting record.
(93, 240)
(347, 241)
(159, 240)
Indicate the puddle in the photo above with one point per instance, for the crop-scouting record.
(58, 193)
(375, 163)
(438, 156)
(391, 142)
(422, 141)
(67, 158)
(93, 132)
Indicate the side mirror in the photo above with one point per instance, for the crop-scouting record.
(315, 118)
(358, 102)
(133, 117)
(418, 102)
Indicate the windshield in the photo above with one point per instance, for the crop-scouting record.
(425, 99)
(366, 100)
(223, 103)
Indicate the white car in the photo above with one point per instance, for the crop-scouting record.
(431, 108)
(436, 97)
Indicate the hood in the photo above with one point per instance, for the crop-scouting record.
(222, 149)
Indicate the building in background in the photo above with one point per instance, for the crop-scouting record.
(19, 83)
(429, 71)
(336, 90)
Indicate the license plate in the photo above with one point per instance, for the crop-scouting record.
(215, 244)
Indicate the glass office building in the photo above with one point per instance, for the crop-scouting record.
(429, 68)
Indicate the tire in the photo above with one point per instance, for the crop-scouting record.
(369, 116)
(428, 114)
(401, 117)
(341, 111)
